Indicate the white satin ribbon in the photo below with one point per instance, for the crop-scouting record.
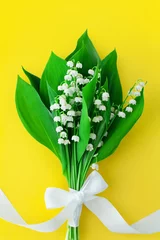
(72, 202)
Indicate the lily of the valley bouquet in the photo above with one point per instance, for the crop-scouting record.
(76, 109)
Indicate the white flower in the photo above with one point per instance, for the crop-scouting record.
(67, 78)
(98, 102)
(75, 138)
(136, 94)
(102, 108)
(64, 86)
(78, 99)
(91, 72)
(66, 142)
(60, 141)
(106, 134)
(70, 125)
(100, 118)
(57, 119)
(69, 119)
(64, 118)
(79, 65)
(71, 113)
(63, 134)
(80, 81)
(54, 106)
(68, 106)
(72, 84)
(100, 144)
(70, 64)
(59, 129)
(121, 114)
(142, 84)
(78, 113)
(62, 99)
(105, 96)
(69, 92)
(89, 147)
(60, 88)
(112, 109)
(132, 102)
(69, 71)
(80, 93)
(74, 73)
(73, 89)
(97, 119)
(129, 109)
(79, 75)
(86, 80)
(138, 87)
(95, 166)
(93, 136)
(65, 106)
(112, 115)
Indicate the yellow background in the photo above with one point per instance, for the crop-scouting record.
(29, 31)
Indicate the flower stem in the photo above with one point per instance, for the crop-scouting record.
(73, 233)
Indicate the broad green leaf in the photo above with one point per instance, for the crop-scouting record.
(89, 90)
(35, 116)
(54, 73)
(84, 130)
(105, 85)
(120, 128)
(52, 95)
(109, 70)
(86, 53)
(34, 80)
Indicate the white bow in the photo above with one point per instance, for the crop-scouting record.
(72, 202)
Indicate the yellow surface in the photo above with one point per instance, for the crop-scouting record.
(29, 31)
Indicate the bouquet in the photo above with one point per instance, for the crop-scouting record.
(76, 109)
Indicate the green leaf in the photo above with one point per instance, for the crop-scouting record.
(120, 128)
(89, 90)
(109, 70)
(34, 80)
(52, 95)
(84, 130)
(105, 85)
(54, 73)
(35, 116)
(86, 53)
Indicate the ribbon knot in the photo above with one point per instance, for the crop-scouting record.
(79, 196)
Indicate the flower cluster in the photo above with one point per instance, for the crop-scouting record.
(130, 100)
(68, 105)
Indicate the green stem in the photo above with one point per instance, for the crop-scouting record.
(89, 156)
(73, 233)
(68, 165)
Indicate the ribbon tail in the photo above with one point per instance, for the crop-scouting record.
(112, 219)
(109, 216)
(149, 224)
(9, 214)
